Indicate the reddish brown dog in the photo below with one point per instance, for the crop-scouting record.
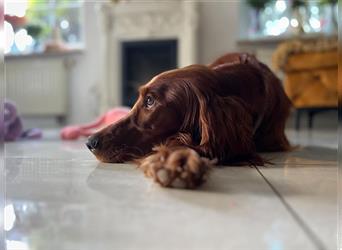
(227, 112)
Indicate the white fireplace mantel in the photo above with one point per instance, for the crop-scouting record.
(144, 21)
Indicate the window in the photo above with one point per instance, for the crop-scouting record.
(289, 17)
(33, 26)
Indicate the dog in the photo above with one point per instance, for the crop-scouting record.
(187, 120)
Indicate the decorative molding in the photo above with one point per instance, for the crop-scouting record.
(149, 23)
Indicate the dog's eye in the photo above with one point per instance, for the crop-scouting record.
(149, 101)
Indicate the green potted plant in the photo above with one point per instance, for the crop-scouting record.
(257, 6)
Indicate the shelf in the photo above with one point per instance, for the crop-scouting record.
(275, 40)
(46, 54)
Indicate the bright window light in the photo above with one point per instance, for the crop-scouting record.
(280, 5)
(16, 245)
(16, 8)
(9, 37)
(22, 39)
(314, 10)
(294, 22)
(315, 23)
(9, 217)
(284, 23)
(64, 24)
(2, 41)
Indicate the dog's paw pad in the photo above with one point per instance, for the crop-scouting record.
(163, 177)
(178, 183)
(181, 168)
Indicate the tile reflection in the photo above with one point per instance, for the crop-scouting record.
(16, 245)
(308, 155)
(9, 217)
(40, 225)
(16, 237)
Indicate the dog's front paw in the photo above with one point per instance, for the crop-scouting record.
(178, 168)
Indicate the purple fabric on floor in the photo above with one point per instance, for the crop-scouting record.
(12, 125)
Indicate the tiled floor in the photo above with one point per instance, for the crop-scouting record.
(59, 197)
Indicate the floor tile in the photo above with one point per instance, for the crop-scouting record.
(304, 155)
(311, 192)
(60, 197)
(54, 149)
(314, 137)
(71, 204)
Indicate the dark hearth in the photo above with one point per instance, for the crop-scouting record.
(141, 61)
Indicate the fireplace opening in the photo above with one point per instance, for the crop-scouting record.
(141, 60)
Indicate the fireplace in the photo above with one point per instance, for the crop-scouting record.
(141, 40)
(141, 60)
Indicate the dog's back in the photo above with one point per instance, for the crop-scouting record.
(242, 75)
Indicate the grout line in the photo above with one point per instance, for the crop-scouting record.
(339, 200)
(339, 183)
(310, 234)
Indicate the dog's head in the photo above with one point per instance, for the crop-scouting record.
(167, 105)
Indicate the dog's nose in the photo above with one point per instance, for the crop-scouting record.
(93, 143)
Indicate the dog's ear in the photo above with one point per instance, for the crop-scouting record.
(219, 127)
(226, 127)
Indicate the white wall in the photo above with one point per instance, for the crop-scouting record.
(87, 70)
(218, 29)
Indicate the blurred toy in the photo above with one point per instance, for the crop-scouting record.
(13, 127)
(75, 131)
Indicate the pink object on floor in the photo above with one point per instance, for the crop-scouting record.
(75, 131)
